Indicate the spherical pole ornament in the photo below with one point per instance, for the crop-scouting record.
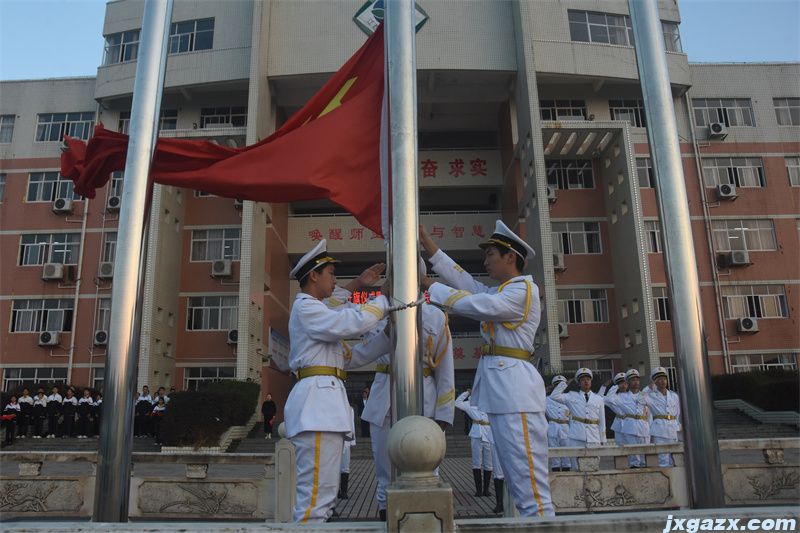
(282, 430)
(416, 447)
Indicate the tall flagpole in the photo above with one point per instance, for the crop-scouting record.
(702, 453)
(404, 247)
(112, 485)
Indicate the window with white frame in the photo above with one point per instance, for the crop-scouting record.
(117, 181)
(594, 27)
(570, 173)
(195, 377)
(223, 117)
(631, 111)
(645, 172)
(672, 36)
(787, 111)
(51, 314)
(103, 321)
(562, 109)
(14, 379)
(191, 35)
(576, 237)
(739, 171)
(729, 111)
(109, 246)
(168, 120)
(53, 126)
(213, 244)
(755, 301)
(49, 186)
(98, 378)
(755, 235)
(652, 229)
(672, 371)
(212, 313)
(661, 304)
(582, 306)
(6, 128)
(2, 186)
(602, 369)
(121, 47)
(793, 169)
(757, 361)
(41, 248)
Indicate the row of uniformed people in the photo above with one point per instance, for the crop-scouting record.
(53, 416)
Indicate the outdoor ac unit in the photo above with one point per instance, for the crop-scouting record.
(558, 262)
(551, 194)
(717, 130)
(113, 203)
(62, 206)
(48, 338)
(738, 258)
(221, 268)
(53, 271)
(100, 337)
(106, 270)
(238, 203)
(747, 325)
(233, 336)
(563, 332)
(726, 191)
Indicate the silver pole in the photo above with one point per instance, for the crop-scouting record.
(700, 438)
(112, 487)
(404, 248)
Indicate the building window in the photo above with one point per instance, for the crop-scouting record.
(562, 109)
(2, 187)
(213, 244)
(212, 313)
(755, 235)
(653, 229)
(53, 126)
(117, 181)
(787, 111)
(191, 35)
(629, 110)
(729, 111)
(223, 117)
(48, 186)
(582, 306)
(755, 301)
(753, 362)
(14, 379)
(644, 169)
(29, 316)
(109, 246)
(672, 37)
(592, 27)
(39, 248)
(602, 369)
(570, 173)
(661, 304)
(121, 47)
(195, 377)
(202, 194)
(739, 171)
(103, 321)
(576, 237)
(6, 128)
(98, 378)
(168, 120)
(792, 167)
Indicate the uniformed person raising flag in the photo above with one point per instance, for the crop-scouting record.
(507, 387)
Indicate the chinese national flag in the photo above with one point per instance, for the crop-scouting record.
(328, 149)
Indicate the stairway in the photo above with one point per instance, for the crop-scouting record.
(733, 424)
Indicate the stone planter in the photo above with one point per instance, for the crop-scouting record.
(225, 440)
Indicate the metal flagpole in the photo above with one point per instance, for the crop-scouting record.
(404, 248)
(700, 437)
(112, 486)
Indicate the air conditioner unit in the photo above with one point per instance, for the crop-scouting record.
(747, 325)
(100, 337)
(106, 270)
(221, 268)
(53, 271)
(558, 262)
(233, 336)
(238, 203)
(563, 332)
(739, 258)
(48, 338)
(62, 206)
(726, 191)
(717, 130)
(551, 194)
(113, 203)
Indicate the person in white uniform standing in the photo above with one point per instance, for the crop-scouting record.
(557, 427)
(636, 422)
(481, 440)
(507, 387)
(612, 391)
(317, 414)
(587, 425)
(665, 413)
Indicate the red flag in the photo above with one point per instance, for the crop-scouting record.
(328, 149)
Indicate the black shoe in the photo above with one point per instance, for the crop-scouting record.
(344, 477)
(476, 474)
(487, 479)
(382, 515)
(498, 495)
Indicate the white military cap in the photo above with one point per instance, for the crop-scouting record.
(632, 373)
(557, 379)
(658, 372)
(619, 378)
(583, 372)
(506, 238)
(317, 257)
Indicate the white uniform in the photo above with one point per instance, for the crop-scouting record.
(557, 431)
(317, 414)
(587, 425)
(481, 440)
(665, 419)
(508, 389)
(635, 427)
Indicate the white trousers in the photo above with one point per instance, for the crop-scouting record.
(319, 458)
(380, 452)
(572, 443)
(634, 461)
(558, 462)
(664, 459)
(481, 454)
(521, 441)
(497, 473)
(345, 467)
